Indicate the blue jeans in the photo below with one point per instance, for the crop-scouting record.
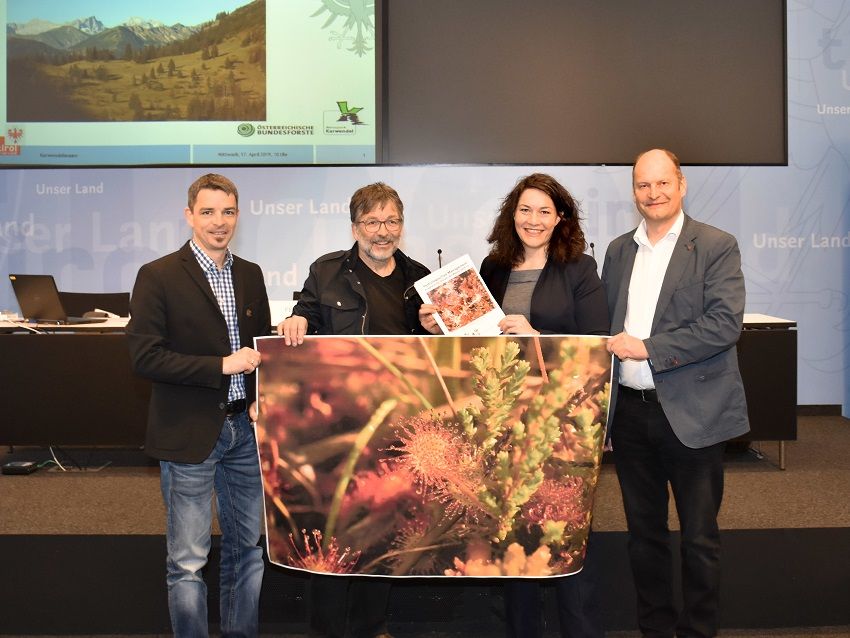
(232, 469)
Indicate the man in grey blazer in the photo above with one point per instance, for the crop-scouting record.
(194, 314)
(676, 299)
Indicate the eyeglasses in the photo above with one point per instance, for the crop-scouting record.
(372, 225)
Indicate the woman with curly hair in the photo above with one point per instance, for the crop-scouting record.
(539, 273)
(537, 268)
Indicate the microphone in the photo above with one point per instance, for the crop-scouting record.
(592, 251)
(439, 258)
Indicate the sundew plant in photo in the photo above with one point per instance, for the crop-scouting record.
(432, 456)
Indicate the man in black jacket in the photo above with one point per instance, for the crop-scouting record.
(367, 289)
(194, 314)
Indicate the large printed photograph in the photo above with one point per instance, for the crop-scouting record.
(210, 65)
(431, 456)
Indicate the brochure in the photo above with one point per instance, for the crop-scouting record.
(464, 304)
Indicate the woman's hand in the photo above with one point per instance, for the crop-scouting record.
(516, 325)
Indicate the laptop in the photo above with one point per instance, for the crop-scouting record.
(39, 300)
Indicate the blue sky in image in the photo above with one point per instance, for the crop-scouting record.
(115, 12)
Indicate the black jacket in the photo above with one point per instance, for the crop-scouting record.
(177, 338)
(568, 298)
(334, 301)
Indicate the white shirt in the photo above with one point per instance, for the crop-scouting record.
(644, 287)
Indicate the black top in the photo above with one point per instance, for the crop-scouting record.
(568, 297)
(384, 298)
(334, 302)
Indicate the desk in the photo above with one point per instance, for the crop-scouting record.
(112, 324)
(78, 389)
(767, 356)
(71, 389)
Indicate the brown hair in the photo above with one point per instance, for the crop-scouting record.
(373, 196)
(214, 182)
(567, 241)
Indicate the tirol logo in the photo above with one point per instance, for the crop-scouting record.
(245, 129)
(14, 148)
(349, 113)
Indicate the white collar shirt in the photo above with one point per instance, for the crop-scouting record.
(644, 288)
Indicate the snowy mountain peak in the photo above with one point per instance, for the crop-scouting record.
(90, 25)
(143, 23)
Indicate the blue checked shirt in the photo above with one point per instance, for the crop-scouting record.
(221, 282)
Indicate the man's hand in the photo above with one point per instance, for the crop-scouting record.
(625, 346)
(245, 360)
(293, 330)
(426, 318)
(516, 325)
(253, 412)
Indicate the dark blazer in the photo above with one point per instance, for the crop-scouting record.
(333, 301)
(567, 299)
(177, 338)
(696, 325)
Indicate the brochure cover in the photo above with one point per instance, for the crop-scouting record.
(464, 304)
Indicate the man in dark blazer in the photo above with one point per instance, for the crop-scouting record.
(676, 298)
(194, 314)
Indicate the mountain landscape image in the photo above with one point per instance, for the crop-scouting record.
(141, 70)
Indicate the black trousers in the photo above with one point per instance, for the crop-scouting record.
(648, 457)
(578, 602)
(345, 607)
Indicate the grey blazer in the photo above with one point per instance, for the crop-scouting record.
(696, 325)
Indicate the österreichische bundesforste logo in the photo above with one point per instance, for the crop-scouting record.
(245, 129)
